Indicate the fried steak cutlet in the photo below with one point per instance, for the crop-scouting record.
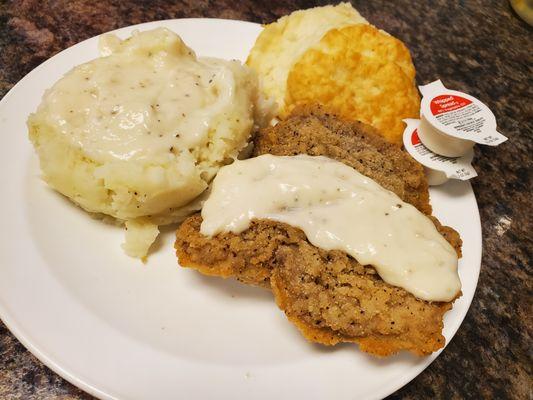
(332, 298)
(328, 295)
(313, 131)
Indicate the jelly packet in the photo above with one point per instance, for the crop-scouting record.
(452, 121)
(438, 168)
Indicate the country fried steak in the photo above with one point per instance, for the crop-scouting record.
(332, 298)
(313, 131)
(328, 295)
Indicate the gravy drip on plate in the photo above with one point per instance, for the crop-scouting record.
(337, 208)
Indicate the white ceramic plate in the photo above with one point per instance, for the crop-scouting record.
(120, 329)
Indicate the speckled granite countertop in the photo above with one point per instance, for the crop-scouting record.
(477, 46)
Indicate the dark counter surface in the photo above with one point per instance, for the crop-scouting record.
(477, 46)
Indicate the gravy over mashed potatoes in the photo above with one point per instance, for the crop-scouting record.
(138, 133)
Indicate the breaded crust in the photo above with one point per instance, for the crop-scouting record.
(247, 256)
(328, 295)
(332, 298)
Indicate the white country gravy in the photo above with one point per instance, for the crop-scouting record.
(337, 208)
(148, 96)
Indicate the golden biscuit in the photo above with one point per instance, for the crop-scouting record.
(356, 85)
(281, 43)
(371, 42)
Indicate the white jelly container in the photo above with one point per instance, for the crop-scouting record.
(440, 143)
(453, 122)
(438, 168)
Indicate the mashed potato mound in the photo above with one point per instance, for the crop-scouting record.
(139, 133)
(281, 44)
